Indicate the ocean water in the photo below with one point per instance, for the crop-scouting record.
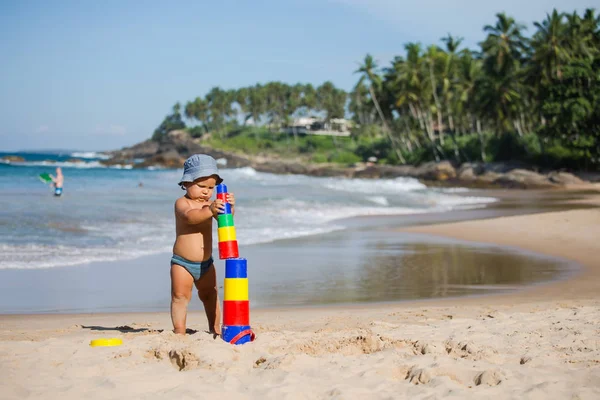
(114, 213)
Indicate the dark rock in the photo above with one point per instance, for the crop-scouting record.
(12, 159)
(168, 159)
(563, 178)
(466, 173)
(171, 153)
(489, 177)
(387, 171)
(470, 171)
(589, 176)
(504, 167)
(523, 179)
(144, 149)
(441, 171)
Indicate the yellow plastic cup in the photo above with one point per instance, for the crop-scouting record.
(106, 342)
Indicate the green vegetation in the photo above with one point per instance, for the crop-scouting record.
(533, 99)
(171, 122)
(261, 141)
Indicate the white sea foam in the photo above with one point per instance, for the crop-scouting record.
(379, 186)
(90, 154)
(68, 164)
(453, 190)
(38, 256)
(450, 200)
(91, 223)
(381, 200)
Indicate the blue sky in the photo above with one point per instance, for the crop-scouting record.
(100, 75)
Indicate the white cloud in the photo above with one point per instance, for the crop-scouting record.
(111, 130)
(42, 129)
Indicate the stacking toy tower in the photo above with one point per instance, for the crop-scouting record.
(228, 246)
(236, 307)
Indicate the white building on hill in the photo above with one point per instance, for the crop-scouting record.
(314, 126)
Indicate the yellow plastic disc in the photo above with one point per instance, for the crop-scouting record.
(106, 342)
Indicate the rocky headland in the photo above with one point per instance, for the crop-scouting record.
(178, 145)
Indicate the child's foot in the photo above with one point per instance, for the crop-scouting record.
(188, 331)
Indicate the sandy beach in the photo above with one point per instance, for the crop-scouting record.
(539, 343)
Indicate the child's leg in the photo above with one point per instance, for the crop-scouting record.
(209, 295)
(181, 293)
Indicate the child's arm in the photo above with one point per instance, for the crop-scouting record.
(193, 215)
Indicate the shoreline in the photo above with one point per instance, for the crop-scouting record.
(358, 240)
(435, 227)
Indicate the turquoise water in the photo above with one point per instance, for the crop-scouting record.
(106, 215)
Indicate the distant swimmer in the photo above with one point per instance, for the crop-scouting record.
(58, 181)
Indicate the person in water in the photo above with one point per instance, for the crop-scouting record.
(192, 261)
(58, 182)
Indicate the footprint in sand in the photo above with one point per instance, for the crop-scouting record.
(183, 360)
(489, 377)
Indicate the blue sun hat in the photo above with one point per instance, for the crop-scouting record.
(198, 166)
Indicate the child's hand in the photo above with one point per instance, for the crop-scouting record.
(231, 199)
(217, 207)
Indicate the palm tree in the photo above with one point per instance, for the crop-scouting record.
(331, 100)
(256, 102)
(502, 53)
(408, 81)
(189, 110)
(583, 34)
(504, 45)
(309, 99)
(469, 73)
(550, 51)
(197, 110)
(433, 58)
(177, 109)
(241, 98)
(360, 105)
(449, 78)
(368, 73)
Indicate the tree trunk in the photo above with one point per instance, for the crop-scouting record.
(470, 123)
(372, 92)
(407, 131)
(361, 114)
(451, 122)
(408, 144)
(429, 130)
(453, 133)
(481, 143)
(438, 107)
(416, 115)
(522, 122)
(385, 126)
(456, 149)
(517, 126)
